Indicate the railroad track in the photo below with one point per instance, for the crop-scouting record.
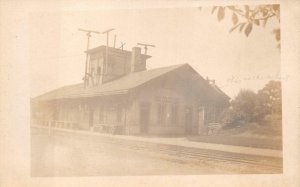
(200, 154)
(180, 152)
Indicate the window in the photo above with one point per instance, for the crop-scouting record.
(101, 115)
(174, 113)
(119, 114)
(56, 114)
(161, 116)
(92, 64)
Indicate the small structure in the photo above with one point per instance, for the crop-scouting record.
(123, 97)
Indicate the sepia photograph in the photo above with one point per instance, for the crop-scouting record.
(197, 93)
(174, 91)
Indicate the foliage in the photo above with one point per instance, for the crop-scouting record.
(246, 17)
(249, 106)
(270, 98)
(229, 118)
(244, 105)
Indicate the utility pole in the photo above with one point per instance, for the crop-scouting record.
(146, 46)
(107, 43)
(115, 38)
(88, 33)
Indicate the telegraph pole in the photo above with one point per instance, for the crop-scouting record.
(115, 41)
(146, 46)
(107, 43)
(88, 34)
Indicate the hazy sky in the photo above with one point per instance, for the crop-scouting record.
(181, 35)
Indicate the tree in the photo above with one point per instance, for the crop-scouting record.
(244, 106)
(248, 106)
(270, 98)
(246, 17)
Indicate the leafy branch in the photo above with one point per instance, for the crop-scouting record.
(245, 17)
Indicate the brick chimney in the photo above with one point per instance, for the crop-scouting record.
(137, 63)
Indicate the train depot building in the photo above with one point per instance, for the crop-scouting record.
(119, 95)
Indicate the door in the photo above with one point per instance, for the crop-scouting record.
(144, 117)
(188, 119)
(201, 116)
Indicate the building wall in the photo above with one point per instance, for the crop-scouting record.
(84, 112)
(131, 124)
(125, 111)
(119, 63)
(155, 95)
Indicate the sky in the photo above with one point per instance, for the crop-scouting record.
(181, 35)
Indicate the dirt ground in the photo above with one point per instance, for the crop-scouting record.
(66, 154)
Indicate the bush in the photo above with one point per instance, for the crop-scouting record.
(229, 118)
(248, 107)
(244, 106)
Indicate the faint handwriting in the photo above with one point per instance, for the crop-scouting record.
(239, 79)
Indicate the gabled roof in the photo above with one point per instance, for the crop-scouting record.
(119, 86)
(127, 82)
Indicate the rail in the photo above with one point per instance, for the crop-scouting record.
(55, 123)
(103, 128)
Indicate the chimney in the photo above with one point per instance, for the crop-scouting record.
(135, 59)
